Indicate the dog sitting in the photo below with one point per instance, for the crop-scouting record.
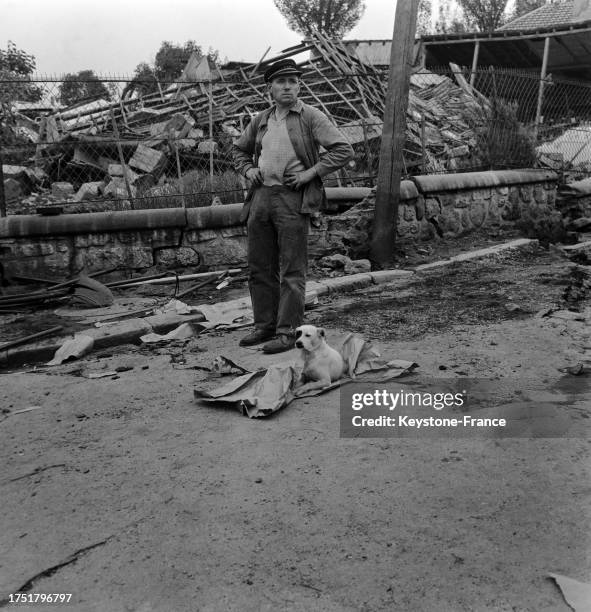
(323, 365)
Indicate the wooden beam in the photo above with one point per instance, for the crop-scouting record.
(253, 71)
(496, 38)
(393, 135)
(121, 157)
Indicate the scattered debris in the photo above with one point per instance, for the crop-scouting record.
(576, 594)
(260, 393)
(73, 348)
(182, 332)
(223, 366)
(164, 136)
(30, 409)
(230, 315)
(30, 338)
(37, 470)
(31, 582)
(177, 307)
(95, 375)
(576, 370)
(90, 293)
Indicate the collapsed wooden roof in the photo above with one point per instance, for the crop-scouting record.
(349, 91)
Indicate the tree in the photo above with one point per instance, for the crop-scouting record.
(168, 65)
(424, 18)
(16, 68)
(85, 84)
(449, 19)
(144, 81)
(333, 18)
(484, 15)
(522, 7)
(171, 59)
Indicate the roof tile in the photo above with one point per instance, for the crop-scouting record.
(544, 17)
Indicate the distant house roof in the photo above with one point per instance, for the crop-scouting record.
(547, 16)
(373, 52)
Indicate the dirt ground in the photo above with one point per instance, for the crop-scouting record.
(131, 496)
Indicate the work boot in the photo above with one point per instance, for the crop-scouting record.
(256, 337)
(283, 342)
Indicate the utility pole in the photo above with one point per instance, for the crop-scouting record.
(2, 195)
(393, 135)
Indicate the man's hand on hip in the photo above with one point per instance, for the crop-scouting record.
(299, 179)
(254, 176)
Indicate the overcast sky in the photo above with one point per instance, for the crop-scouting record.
(112, 36)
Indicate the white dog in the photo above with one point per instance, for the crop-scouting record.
(323, 365)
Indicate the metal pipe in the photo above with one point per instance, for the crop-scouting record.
(541, 87)
(474, 63)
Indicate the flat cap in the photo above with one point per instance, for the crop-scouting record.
(281, 68)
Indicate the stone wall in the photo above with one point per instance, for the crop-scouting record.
(448, 206)
(212, 237)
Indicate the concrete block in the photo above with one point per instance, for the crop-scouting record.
(388, 276)
(124, 332)
(520, 243)
(433, 264)
(163, 323)
(348, 283)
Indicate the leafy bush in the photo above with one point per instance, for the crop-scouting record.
(502, 141)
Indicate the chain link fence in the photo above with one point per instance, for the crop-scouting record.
(147, 144)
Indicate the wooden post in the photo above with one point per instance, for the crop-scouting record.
(423, 146)
(121, 158)
(211, 138)
(541, 87)
(368, 154)
(393, 135)
(474, 63)
(179, 171)
(2, 194)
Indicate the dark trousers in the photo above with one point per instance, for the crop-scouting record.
(277, 258)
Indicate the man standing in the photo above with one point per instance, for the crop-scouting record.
(279, 154)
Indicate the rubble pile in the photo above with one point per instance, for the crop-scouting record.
(146, 149)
